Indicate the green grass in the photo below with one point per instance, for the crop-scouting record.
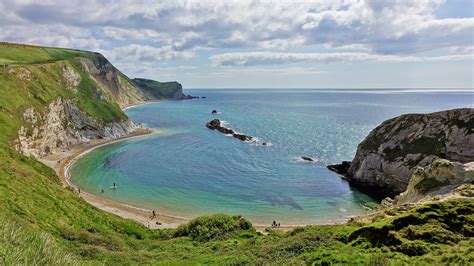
(11, 53)
(41, 222)
(34, 200)
(27, 247)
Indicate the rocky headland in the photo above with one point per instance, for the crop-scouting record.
(425, 153)
(154, 90)
(67, 97)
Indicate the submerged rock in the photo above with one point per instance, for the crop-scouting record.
(215, 124)
(309, 159)
(214, 112)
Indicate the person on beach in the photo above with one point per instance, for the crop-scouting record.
(79, 190)
(154, 214)
(102, 190)
(114, 184)
(278, 225)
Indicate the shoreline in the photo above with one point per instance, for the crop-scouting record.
(127, 211)
(62, 161)
(72, 153)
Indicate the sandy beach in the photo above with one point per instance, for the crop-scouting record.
(61, 161)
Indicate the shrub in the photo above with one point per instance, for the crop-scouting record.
(205, 228)
(413, 248)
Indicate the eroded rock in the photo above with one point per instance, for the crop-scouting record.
(389, 155)
(216, 124)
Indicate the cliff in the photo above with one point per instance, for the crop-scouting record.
(160, 90)
(387, 158)
(52, 98)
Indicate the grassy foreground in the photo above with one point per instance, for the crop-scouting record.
(43, 223)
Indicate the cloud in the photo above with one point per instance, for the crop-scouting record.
(135, 52)
(383, 27)
(57, 36)
(286, 71)
(269, 58)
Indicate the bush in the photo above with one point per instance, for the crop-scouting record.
(431, 233)
(205, 228)
(413, 248)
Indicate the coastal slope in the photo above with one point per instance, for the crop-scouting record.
(53, 98)
(49, 91)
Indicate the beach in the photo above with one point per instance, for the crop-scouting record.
(61, 161)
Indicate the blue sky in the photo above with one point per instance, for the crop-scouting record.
(262, 44)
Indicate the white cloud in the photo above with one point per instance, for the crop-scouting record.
(268, 58)
(47, 35)
(140, 53)
(286, 71)
(386, 27)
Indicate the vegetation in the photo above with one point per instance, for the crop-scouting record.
(41, 222)
(12, 53)
(27, 84)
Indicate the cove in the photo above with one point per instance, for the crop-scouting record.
(188, 170)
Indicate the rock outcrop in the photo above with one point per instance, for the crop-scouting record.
(111, 81)
(153, 90)
(62, 125)
(216, 124)
(439, 178)
(387, 158)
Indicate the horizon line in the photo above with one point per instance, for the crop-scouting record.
(320, 88)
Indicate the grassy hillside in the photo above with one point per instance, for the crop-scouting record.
(43, 223)
(11, 53)
(35, 80)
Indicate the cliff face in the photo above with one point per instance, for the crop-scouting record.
(387, 158)
(110, 80)
(63, 124)
(160, 90)
(53, 98)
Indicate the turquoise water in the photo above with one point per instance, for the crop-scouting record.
(189, 170)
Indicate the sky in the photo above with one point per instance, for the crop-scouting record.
(262, 44)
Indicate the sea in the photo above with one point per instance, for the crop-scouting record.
(188, 170)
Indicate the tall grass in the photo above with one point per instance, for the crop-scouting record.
(20, 246)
